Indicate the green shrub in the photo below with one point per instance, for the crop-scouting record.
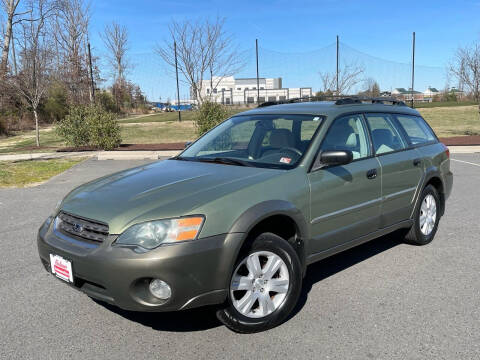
(450, 96)
(56, 105)
(104, 130)
(209, 115)
(90, 125)
(73, 128)
(106, 100)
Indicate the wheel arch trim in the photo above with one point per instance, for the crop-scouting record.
(430, 173)
(250, 218)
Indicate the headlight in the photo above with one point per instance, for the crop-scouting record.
(152, 234)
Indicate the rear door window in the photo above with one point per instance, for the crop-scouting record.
(385, 136)
(348, 133)
(417, 130)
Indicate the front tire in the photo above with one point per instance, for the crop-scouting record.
(426, 218)
(264, 286)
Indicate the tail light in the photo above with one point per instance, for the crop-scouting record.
(447, 150)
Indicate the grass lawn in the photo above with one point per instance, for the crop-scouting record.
(160, 132)
(171, 116)
(442, 104)
(132, 133)
(453, 121)
(25, 173)
(158, 117)
(26, 139)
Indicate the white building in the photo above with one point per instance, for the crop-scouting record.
(431, 92)
(241, 91)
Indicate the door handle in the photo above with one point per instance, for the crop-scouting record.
(372, 174)
(417, 162)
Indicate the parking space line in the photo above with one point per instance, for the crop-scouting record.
(466, 162)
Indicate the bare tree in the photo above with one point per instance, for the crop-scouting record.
(32, 80)
(203, 48)
(115, 38)
(348, 77)
(372, 89)
(223, 59)
(10, 7)
(71, 31)
(466, 68)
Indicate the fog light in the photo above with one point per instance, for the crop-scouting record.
(160, 289)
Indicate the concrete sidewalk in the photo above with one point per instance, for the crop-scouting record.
(152, 155)
(464, 149)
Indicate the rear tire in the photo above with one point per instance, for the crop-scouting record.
(426, 218)
(265, 285)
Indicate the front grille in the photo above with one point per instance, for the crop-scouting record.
(79, 227)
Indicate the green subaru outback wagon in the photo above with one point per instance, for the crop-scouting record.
(237, 217)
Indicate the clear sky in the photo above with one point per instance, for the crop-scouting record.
(297, 37)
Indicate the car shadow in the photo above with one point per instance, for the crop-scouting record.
(205, 318)
(330, 266)
(198, 319)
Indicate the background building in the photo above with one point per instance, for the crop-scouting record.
(241, 91)
(427, 96)
(406, 95)
(431, 92)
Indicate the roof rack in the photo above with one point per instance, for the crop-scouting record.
(369, 100)
(300, 100)
(339, 100)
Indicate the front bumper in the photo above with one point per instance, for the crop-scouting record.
(198, 272)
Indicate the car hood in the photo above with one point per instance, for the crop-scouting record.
(162, 189)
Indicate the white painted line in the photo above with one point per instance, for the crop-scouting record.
(466, 162)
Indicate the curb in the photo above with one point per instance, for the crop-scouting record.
(464, 149)
(135, 155)
(45, 156)
(99, 155)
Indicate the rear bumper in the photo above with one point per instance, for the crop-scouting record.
(198, 272)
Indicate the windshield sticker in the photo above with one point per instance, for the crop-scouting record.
(285, 160)
(316, 118)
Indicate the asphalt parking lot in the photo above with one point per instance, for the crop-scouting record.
(382, 300)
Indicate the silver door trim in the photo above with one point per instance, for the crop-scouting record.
(398, 193)
(345, 210)
(358, 206)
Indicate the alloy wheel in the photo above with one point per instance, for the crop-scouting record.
(428, 214)
(259, 284)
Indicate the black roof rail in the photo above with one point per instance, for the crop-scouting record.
(339, 100)
(301, 100)
(372, 100)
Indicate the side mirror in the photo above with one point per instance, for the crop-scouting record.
(188, 143)
(336, 157)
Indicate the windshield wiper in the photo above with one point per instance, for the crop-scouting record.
(224, 160)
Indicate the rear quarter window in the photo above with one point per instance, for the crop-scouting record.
(416, 129)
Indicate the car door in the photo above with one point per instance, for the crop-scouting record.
(345, 199)
(401, 168)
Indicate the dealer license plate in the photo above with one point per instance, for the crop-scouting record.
(61, 268)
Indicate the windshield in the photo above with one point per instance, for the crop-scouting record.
(276, 141)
